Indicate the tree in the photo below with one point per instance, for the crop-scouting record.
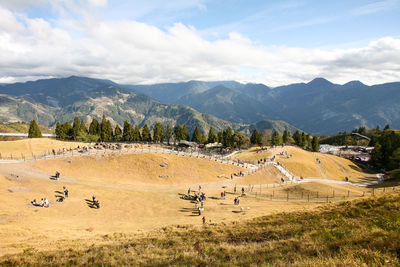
(285, 137)
(196, 136)
(276, 139)
(168, 134)
(178, 133)
(158, 132)
(64, 131)
(387, 127)
(136, 134)
(146, 136)
(220, 137)
(117, 133)
(212, 137)
(34, 130)
(257, 138)
(315, 144)
(94, 127)
(240, 140)
(227, 138)
(76, 125)
(106, 131)
(127, 132)
(185, 133)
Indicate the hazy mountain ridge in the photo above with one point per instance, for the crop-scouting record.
(319, 107)
(53, 100)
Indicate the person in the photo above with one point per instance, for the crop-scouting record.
(204, 220)
(199, 212)
(199, 188)
(234, 189)
(97, 204)
(222, 195)
(202, 204)
(35, 203)
(57, 175)
(94, 198)
(189, 191)
(65, 192)
(238, 201)
(46, 203)
(42, 202)
(242, 190)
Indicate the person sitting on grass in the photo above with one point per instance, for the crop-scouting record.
(46, 203)
(65, 192)
(42, 202)
(97, 204)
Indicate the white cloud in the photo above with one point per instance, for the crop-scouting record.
(134, 52)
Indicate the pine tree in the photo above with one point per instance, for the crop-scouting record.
(168, 134)
(158, 132)
(106, 130)
(127, 134)
(285, 137)
(315, 144)
(185, 133)
(227, 138)
(137, 137)
(146, 136)
(94, 128)
(76, 125)
(34, 130)
(257, 138)
(276, 139)
(220, 137)
(117, 133)
(196, 137)
(178, 133)
(212, 137)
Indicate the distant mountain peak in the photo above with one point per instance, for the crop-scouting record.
(320, 82)
(354, 83)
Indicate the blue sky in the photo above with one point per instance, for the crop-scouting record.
(273, 42)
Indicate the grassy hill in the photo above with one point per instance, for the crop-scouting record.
(324, 237)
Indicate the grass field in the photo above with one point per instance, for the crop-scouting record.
(34, 145)
(138, 193)
(304, 163)
(323, 237)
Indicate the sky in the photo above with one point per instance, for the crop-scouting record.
(157, 41)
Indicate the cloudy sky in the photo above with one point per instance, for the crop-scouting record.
(270, 42)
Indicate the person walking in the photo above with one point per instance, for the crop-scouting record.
(204, 219)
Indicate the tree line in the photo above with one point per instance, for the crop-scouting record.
(104, 132)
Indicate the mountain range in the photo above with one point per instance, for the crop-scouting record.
(52, 100)
(318, 107)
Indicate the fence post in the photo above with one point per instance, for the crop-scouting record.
(287, 196)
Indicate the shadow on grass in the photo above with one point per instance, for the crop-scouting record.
(90, 204)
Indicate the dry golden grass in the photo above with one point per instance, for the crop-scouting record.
(128, 204)
(134, 198)
(140, 168)
(34, 145)
(303, 163)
